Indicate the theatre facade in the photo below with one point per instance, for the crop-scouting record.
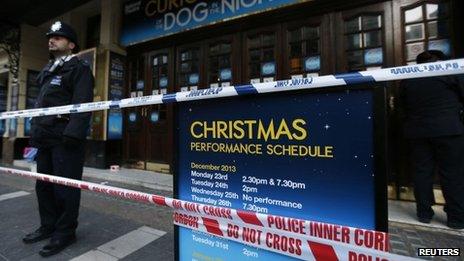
(145, 47)
(183, 45)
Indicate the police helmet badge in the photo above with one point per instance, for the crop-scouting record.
(56, 26)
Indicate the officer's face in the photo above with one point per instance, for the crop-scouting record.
(59, 44)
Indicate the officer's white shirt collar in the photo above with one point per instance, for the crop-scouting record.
(60, 61)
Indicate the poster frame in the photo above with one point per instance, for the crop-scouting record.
(379, 110)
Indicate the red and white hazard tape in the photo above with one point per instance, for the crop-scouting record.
(299, 245)
(310, 240)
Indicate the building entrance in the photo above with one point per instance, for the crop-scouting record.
(147, 132)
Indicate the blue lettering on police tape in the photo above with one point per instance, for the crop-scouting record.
(425, 68)
(411, 69)
(76, 105)
(203, 92)
(294, 82)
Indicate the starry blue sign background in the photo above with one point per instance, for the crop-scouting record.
(339, 190)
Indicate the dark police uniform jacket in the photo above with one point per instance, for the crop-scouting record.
(70, 83)
(433, 106)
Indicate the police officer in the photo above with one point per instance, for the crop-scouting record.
(60, 139)
(433, 123)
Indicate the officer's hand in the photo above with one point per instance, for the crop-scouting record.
(71, 142)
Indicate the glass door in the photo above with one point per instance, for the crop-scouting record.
(221, 69)
(364, 41)
(261, 61)
(134, 145)
(189, 68)
(304, 53)
(156, 116)
(422, 25)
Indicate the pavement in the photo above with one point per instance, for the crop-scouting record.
(109, 228)
(406, 234)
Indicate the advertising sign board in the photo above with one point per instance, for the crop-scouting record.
(301, 155)
(149, 19)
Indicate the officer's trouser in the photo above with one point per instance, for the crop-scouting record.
(445, 154)
(58, 204)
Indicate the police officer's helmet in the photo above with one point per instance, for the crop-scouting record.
(62, 29)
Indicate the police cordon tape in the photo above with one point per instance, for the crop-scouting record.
(449, 67)
(298, 246)
(303, 239)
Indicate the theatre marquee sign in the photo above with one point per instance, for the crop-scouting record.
(150, 19)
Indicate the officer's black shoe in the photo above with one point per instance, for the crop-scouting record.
(56, 245)
(38, 235)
